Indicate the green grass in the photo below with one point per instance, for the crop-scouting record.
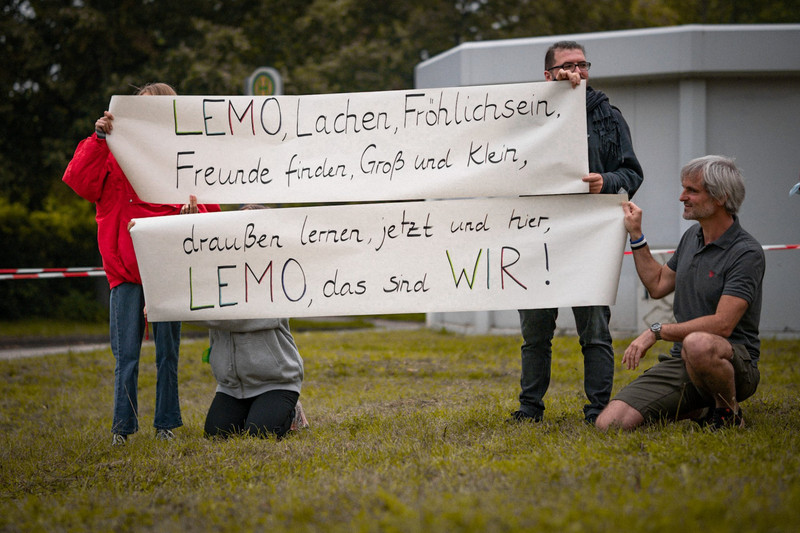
(51, 328)
(48, 328)
(408, 434)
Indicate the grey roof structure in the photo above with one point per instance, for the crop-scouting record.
(685, 91)
(671, 52)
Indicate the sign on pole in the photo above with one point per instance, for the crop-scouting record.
(264, 81)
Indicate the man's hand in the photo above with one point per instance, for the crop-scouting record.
(638, 349)
(633, 219)
(574, 76)
(595, 182)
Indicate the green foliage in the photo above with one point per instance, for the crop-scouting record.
(60, 62)
(63, 234)
(45, 330)
(733, 11)
(408, 433)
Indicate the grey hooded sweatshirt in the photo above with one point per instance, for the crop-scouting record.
(253, 356)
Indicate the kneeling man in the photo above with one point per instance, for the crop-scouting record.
(716, 274)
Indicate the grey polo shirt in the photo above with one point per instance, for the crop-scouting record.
(732, 265)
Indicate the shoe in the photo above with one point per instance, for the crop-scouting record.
(119, 440)
(164, 434)
(724, 417)
(705, 417)
(522, 416)
(300, 421)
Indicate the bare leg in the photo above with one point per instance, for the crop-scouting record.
(708, 362)
(619, 414)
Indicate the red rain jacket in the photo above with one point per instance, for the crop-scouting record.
(96, 176)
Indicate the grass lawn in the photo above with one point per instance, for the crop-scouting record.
(38, 330)
(407, 434)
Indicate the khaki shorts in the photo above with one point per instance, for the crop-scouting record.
(665, 392)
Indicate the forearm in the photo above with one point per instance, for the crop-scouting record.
(627, 179)
(717, 324)
(724, 320)
(708, 324)
(650, 271)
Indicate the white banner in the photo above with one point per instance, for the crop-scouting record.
(498, 140)
(425, 256)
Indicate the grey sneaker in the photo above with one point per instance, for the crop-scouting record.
(164, 434)
(119, 440)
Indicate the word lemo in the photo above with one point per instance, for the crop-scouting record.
(248, 116)
(237, 116)
(242, 284)
(445, 255)
(499, 140)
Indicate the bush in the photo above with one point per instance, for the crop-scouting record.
(62, 235)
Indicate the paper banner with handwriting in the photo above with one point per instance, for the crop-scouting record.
(422, 256)
(497, 140)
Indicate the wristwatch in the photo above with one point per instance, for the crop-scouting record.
(656, 329)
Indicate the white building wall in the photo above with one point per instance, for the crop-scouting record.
(685, 92)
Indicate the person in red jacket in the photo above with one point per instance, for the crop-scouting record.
(96, 176)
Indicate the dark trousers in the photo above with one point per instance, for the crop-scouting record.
(538, 327)
(270, 413)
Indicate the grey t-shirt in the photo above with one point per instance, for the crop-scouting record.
(732, 265)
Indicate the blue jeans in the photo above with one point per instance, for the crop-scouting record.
(538, 326)
(126, 324)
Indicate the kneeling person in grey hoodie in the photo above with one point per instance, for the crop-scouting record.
(258, 370)
(259, 373)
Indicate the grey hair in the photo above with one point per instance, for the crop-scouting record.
(721, 178)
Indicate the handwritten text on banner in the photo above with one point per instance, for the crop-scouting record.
(445, 255)
(498, 140)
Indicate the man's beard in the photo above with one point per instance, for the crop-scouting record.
(696, 212)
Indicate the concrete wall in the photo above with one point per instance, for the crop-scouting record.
(685, 91)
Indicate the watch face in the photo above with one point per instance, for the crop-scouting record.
(656, 329)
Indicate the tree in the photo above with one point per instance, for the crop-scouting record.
(61, 61)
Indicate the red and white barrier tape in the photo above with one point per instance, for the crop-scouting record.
(84, 272)
(766, 247)
(42, 273)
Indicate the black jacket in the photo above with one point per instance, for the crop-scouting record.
(610, 146)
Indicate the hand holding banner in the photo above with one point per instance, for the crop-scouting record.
(444, 255)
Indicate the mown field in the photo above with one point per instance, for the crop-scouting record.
(408, 433)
